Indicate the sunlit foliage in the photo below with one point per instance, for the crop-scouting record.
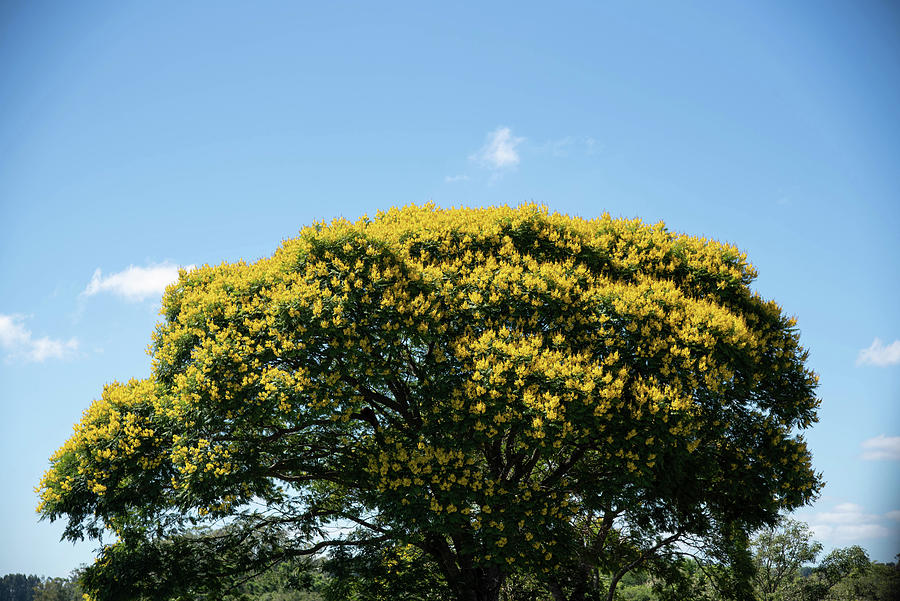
(502, 388)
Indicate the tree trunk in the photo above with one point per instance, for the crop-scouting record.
(556, 591)
(477, 584)
(467, 581)
(579, 583)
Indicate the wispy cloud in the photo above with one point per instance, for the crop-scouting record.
(568, 145)
(452, 179)
(881, 447)
(499, 150)
(560, 147)
(134, 283)
(18, 341)
(879, 354)
(849, 522)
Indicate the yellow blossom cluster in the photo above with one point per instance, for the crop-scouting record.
(115, 435)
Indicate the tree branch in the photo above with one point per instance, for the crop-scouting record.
(641, 559)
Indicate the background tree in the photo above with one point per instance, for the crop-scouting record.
(298, 580)
(880, 582)
(477, 383)
(779, 553)
(18, 587)
(387, 573)
(58, 589)
(846, 565)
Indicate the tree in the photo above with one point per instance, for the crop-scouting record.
(880, 582)
(841, 565)
(18, 587)
(57, 589)
(779, 553)
(504, 389)
(300, 580)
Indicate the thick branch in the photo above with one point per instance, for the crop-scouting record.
(336, 543)
(641, 559)
(564, 466)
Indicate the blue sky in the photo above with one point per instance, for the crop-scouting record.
(135, 137)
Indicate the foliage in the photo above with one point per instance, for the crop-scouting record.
(389, 572)
(779, 553)
(684, 580)
(506, 390)
(18, 587)
(298, 580)
(58, 589)
(879, 582)
(868, 581)
(841, 565)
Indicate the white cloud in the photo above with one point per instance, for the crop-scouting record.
(881, 447)
(893, 515)
(12, 332)
(849, 533)
(879, 354)
(135, 283)
(845, 513)
(499, 151)
(17, 341)
(848, 522)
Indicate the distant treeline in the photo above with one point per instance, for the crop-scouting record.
(19, 587)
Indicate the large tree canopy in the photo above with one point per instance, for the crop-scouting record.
(505, 389)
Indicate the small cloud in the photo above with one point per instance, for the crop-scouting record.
(879, 354)
(452, 179)
(499, 150)
(881, 447)
(893, 515)
(849, 532)
(134, 283)
(17, 341)
(848, 522)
